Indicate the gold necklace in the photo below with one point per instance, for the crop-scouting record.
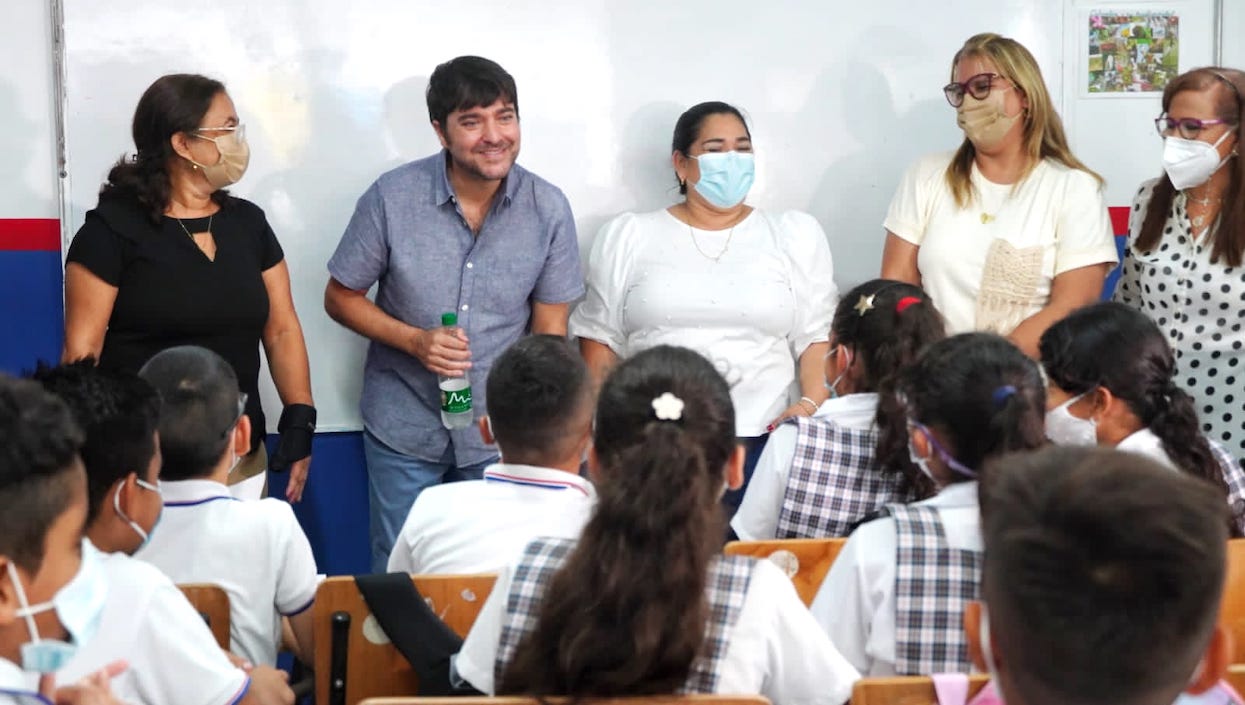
(692, 231)
(187, 231)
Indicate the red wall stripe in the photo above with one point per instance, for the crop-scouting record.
(30, 234)
(1119, 219)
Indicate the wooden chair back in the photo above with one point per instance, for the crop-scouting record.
(806, 561)
(212, 603)
(648, 700)
(906, 690)
(355, 659)
(1232, 605)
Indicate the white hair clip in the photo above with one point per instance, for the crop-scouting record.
(668, 407)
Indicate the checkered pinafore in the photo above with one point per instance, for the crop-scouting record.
(727, 586)
(1234, 475)
(933, 582)
(834, 481)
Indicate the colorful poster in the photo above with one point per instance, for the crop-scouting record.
(1132, 52)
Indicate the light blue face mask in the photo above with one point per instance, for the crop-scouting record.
(78, 605)
(144, 535)
(725, 177)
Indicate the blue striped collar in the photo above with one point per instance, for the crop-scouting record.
(190, 493)
(543, 478)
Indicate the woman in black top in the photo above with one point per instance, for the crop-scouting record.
(169, 258)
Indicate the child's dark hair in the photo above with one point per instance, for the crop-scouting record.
(885, 337)
(1102, 576)
(1115, 346)
(39, 443)
(468, 82)
(201, 406)
(538, 390)
(687, 127)
(118, 411)
(981, 394)
(626, 613)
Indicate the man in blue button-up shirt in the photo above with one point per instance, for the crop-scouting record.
(465, 230)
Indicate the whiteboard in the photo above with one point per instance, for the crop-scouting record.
(841, 97)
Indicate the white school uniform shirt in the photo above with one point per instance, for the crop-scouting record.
(1144, 442)
(255, 550)
(775, 649)
(172, 655)
(993, 275)
(856, 602)
(17, 687)
(757, 518)
(479, 526)
(652, 281)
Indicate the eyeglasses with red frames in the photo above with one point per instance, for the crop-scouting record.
(1188, 128)
(977, 86)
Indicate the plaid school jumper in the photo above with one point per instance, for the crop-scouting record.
(1234, 475)
(933, 582)
(834, 481)
(727, 586)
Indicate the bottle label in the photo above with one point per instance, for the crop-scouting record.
(456, 401)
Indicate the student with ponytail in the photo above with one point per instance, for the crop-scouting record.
(1112, 383)
(892, 601)
(820, 475)
(643, 603)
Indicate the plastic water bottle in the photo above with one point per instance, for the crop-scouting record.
(455, 391)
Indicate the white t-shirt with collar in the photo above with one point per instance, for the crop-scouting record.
(172, 656)
(17, 687)
(652, 280)
(776, 649)
(479, 526)
(255, 550)
(757, 518)
(856, 602)
(990, 266)
(1144, 442)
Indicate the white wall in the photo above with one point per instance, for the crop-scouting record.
(28, 187)
(1233, 33)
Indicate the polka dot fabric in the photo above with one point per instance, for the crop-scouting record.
(1200, 306)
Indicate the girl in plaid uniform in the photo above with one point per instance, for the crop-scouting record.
(644, 603)
(1112, 382)
(819, 476)
(892, 601)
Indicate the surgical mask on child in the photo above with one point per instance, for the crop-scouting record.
(725, 177)
(983, 121)
(935, 449)
(145, 535)
(78, 605)
(832, 386)
(1191, 163)
(1064, 429)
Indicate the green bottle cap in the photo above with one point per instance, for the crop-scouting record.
(449, 320)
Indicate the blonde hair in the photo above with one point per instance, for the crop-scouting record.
(1043, 130)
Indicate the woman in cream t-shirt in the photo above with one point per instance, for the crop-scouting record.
(1010, 232)
(750, 290)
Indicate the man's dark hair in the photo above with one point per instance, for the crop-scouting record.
(202, 405)
(468, 82)
(1102, 576)
(536, 390)
(39, 443)
(118, 411)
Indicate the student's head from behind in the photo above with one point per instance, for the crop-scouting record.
(474, 108)
(1111, 374)
(43, 509)
(665, 447)
(1101, 581)
(879, 328)
(970, 398)
(118, 412)
(540, 404)
(203, 429)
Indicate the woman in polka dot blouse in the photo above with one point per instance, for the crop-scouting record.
(1183, 266)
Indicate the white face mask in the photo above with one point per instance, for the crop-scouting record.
(1191, 163)
(1064, 429)
(78, 605)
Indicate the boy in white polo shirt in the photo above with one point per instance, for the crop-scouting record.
(146, 620)
(255, 550)
(540, 417)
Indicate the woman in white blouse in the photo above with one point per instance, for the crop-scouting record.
(1010, 232)
(1186, 246)
(751, 290)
